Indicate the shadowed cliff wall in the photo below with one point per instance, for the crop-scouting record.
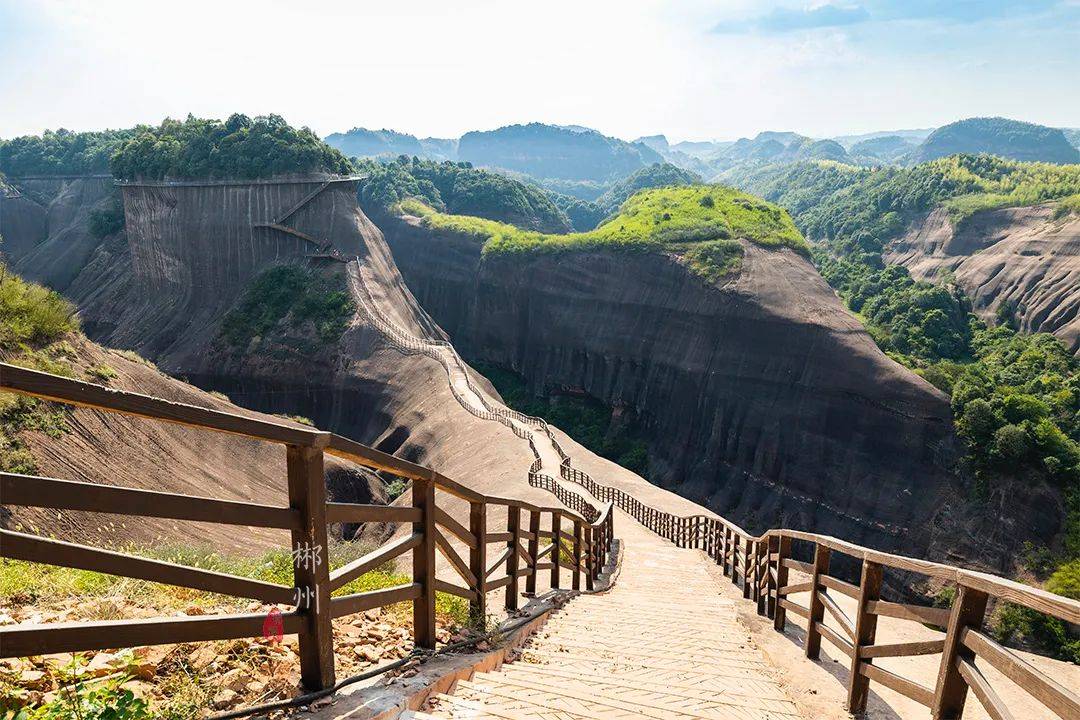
(764, 399)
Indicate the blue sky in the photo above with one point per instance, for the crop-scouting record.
(691, 69)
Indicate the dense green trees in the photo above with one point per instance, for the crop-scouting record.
(240, 147)
(459, 189)
(1015, 398)
(61, 152)
(1008, 138)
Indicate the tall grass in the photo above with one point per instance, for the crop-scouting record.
(31, 315)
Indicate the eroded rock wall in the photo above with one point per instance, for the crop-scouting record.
(45, 224)
(765, 400)
(1021, 256)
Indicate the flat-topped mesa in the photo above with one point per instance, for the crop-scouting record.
(765, 400)
(214, 235)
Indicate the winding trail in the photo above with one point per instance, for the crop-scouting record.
(663, 642)
(548, 455)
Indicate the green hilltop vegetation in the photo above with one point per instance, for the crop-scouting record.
(677, 219)
(459, 189)
(240, 147)
(1015, 397)
(61, 152)
(998, 136)
(587, 214)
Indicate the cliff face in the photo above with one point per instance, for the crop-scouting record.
(765, 400)
(45, 224)
(187, 255)
(1020, 256)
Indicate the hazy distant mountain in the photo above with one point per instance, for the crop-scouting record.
(361, 142)
(1072, 135)
(440, 148)
(774, 147)
(1012, 139)
(700, 148)
(658, 143)
(547, 151)
(888, 148)
(916, 135)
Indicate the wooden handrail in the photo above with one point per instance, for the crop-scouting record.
(306, 516)
(761, 563)
(83, 394)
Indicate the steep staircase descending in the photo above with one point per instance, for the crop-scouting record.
(662, 643)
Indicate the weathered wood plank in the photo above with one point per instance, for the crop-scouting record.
(25, 640)
(33, 491)
(457, 529)
(908, 688)
(925, 647)
(989, 699)
(30, 548)
(455, 560)
(443, 586)
(917, 613)
(1046, 690)
(347, 573)
(836, 639)
(84, 394)
(844, 588)
(359, 602)
(358, 513)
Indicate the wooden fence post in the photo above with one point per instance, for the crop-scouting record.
(865, 630)
(513, 526)
(817, 607)
(556, 542)
(950, 694)
(783, 552)
(478, 560)
(311, 565)
(772, 577)
(576, 575)
(748, 552)
(534, 550)
(761, 566)
(423, 497)
(590, 558)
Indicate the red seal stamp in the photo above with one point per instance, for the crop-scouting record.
(273, 626)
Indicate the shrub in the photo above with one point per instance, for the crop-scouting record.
(31, 315)
(107, 221)
(289, 295)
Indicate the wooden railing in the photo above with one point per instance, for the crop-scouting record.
(761, 565)
(570, 542)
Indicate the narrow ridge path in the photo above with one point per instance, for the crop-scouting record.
(662, 643)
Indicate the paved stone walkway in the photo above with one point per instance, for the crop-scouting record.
(662, 643)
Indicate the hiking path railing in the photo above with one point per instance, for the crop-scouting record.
(537, 539)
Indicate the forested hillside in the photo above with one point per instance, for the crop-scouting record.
(1011, 139)
(240, 147)
(587, 214)
(458, 188)
(548, 151)
(61, 152)
(1016, 398)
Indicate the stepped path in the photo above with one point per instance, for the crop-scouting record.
(662, 643)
